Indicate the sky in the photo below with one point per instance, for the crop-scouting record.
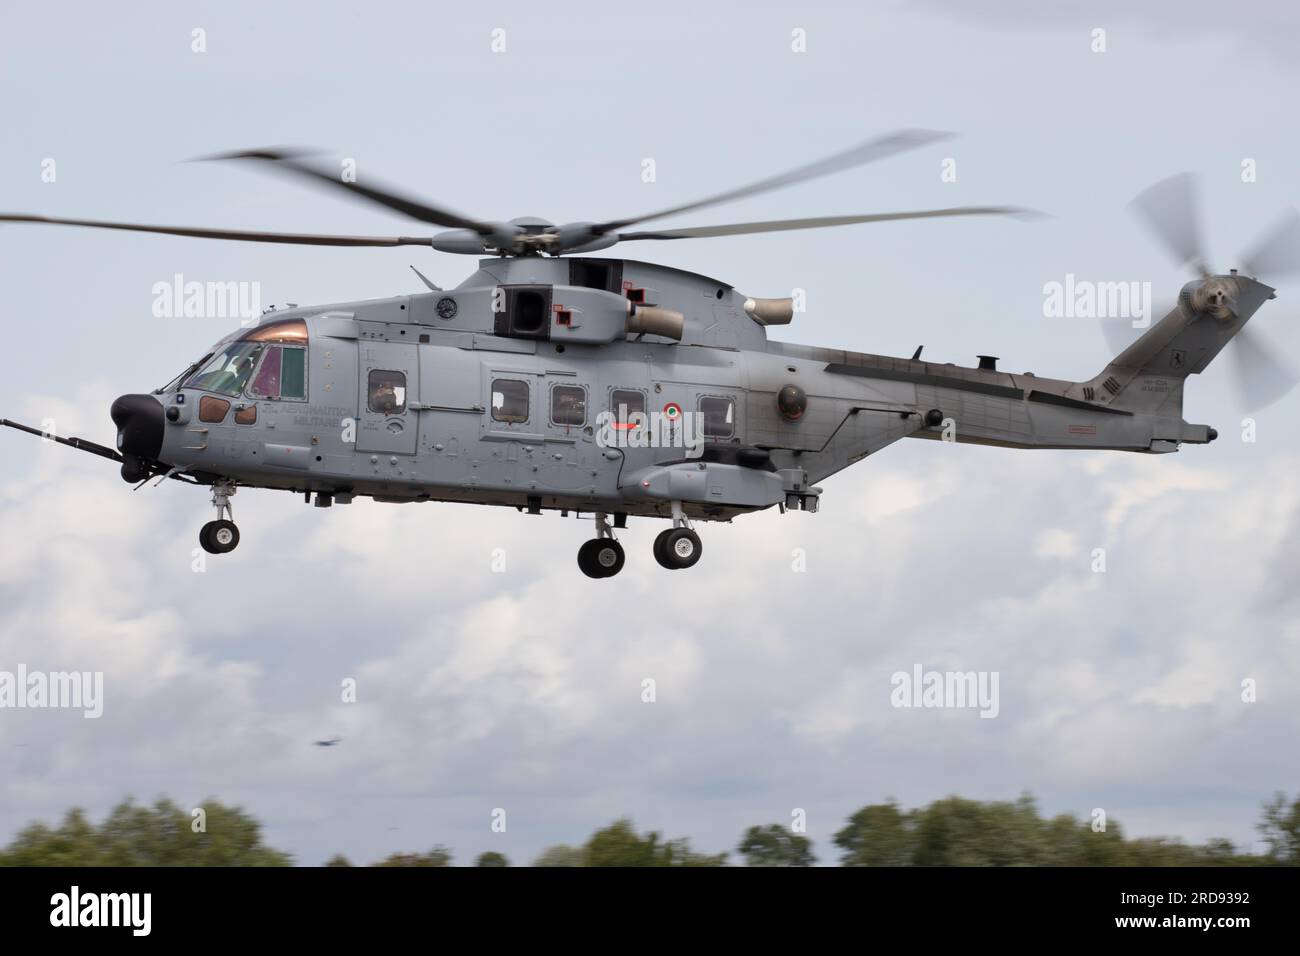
(522, 690)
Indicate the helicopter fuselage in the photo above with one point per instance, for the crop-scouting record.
(521, 387)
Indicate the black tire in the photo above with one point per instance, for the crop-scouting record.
(219, 537)
(681, 548)
(205, 542)
(587, 560)
(661, 540)
(601, 558)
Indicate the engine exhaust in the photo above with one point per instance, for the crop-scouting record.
(652, 320)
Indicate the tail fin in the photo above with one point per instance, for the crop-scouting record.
(1148, 376)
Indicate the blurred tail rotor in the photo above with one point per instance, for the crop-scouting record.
(1171, 210)
(1277, 253)
(1262, 377)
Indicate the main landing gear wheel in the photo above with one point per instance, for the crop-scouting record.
(219, 537)
(677, 548)
(601, 558)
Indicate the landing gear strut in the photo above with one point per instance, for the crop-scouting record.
(220, 536)
(602, 556)
(679, 546)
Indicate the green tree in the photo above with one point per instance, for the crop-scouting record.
(560, 855)
(619, 845)
(877, 835)
(133, 835)
(1280, 828)
(959, 832)
(338, 859)
(679, 853)
(775, 845)
(491, 858)
(438, 856)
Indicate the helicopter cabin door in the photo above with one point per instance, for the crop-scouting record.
(390, 386)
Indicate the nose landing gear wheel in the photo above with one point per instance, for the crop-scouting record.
(677, 548)
(219, 537)
(601, 558)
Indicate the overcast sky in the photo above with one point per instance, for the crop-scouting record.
(523, 690)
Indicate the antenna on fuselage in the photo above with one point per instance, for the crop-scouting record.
(425, 280)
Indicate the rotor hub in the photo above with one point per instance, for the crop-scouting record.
(1216, 296)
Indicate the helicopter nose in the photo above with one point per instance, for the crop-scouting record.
(139, 421)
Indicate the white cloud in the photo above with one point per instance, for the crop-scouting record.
(523, 689)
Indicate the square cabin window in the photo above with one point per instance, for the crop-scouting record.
(568, 405)
(626, 402)
(387, 392)
(509, 401)
(719, 417)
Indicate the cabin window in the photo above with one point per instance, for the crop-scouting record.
(568, 405)
(719, 417)
(387, 391)
(510, 400)
(282, 374)
(626, 402)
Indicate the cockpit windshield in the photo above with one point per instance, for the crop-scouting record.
(229, 365)
(175, 383)
(228, 369)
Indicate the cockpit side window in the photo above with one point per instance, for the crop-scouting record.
(293, 374)
(282, 374)
(266, 383)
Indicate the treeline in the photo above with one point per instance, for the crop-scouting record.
(948, 832)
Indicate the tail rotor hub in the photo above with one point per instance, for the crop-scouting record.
(1216, 296)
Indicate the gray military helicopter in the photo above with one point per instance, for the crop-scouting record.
(551, 379)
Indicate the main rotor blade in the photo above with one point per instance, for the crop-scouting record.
(1170, 209)
(1278, 252)
(784, 225)
(867, 152)
(287, 161)
(240, 235)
